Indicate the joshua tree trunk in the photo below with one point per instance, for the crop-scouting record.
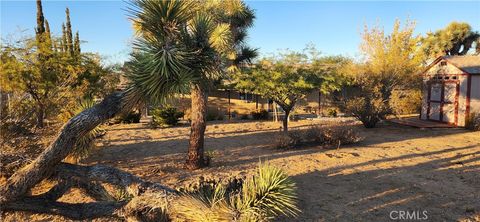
(199, 98)
(149, 200)
(42, 167)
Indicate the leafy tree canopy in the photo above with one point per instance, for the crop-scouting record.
(455, 39)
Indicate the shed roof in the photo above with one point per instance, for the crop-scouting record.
(468, 63)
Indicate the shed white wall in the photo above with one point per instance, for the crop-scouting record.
(475, 94)
(462, 100)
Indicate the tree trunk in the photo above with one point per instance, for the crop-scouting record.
(40, 115)
(199, 98)
(285, 120)
(149, 202)
(42, 167)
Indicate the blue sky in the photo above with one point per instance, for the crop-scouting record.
(334, 27)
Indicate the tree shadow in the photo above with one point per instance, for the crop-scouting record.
(448, 189)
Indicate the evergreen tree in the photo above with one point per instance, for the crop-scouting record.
(69, 34)
(48, 35)
(76, 45)
(63, 43)
(40, 29)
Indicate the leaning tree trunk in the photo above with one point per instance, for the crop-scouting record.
(198, 112)
(149, 200)
(24, 179)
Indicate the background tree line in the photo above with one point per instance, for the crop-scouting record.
(44, 77)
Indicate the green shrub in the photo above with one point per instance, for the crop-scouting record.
(167, 116)
(473, 122)
(267, 194)
(244, 117)
(406, 101)
(260, 115)
(131, 117)
(332, 112)
(208, 156)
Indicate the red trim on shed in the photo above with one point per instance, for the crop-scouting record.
(467, 102)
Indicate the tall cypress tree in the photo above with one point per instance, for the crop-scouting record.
(76, 45)
(40, 29)
(69, 33)
(48, 36)
(64, 39)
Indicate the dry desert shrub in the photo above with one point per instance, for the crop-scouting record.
(316, 136)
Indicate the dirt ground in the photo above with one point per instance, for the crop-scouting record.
(394, 169)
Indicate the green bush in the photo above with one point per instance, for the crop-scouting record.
(167, 116)
(131, 117)
(332, 112)
(244, 117)
(263, 197)
(473, 122)
(260, 115)
(406, 101)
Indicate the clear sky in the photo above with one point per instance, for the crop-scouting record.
(334, 27)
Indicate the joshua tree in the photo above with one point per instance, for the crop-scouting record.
(183, 47)
(197, 41)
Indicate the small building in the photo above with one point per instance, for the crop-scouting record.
(451, 89)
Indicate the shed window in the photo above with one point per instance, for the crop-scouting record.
(454, 77)
(446, 77)
(443, 63)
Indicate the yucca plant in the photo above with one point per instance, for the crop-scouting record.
(266, 195)
(188, 45)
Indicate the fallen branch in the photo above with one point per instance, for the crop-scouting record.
(148, 202)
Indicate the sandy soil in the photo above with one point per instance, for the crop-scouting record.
(395, 168)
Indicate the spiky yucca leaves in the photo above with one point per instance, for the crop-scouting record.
(177, 43)
(266, 195)
(270, 193)
(85, 143)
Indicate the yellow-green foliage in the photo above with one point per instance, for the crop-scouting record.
(392, 62)
(262, 197)
(406, 101)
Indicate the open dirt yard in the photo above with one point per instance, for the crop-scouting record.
(395, 168)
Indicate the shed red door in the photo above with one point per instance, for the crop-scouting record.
(443, 101)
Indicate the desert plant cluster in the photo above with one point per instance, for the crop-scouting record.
(317, 136)
(167, 116)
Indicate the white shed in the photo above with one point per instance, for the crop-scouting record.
(451, 89)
